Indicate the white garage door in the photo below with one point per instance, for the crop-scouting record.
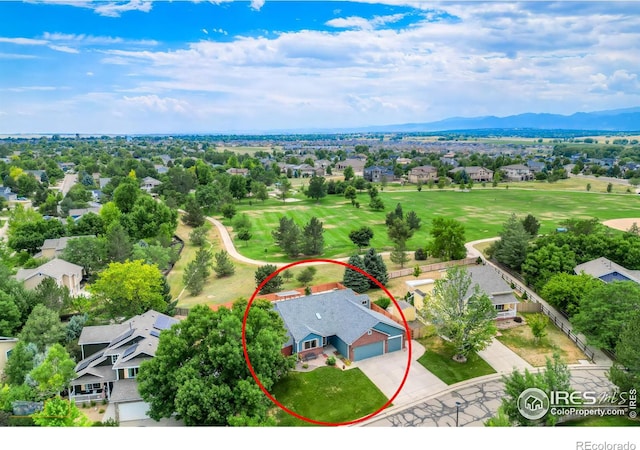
(133, 411)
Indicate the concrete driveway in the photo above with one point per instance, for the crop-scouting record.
(387, 372)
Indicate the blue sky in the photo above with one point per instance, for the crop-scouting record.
(132, 67)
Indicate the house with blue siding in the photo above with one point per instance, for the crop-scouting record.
(342, 319)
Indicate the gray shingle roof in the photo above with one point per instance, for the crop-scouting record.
(492, 284)
(54, 269)
(337, 313)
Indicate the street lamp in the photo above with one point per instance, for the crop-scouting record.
(457, 410)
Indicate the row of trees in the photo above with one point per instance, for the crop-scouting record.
(294, 241)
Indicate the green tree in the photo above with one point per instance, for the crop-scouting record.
(273, 285)
(461, 313)
(448, 239)
(198, 236)
(161, 256)
(605, 310)
(625, 372)
(531, 225)
(288, 236)
(566, 291)
(193, 216)
(609, 187)
(399, 254)
(511, 249)
(10, 319)
(312, 239)
(588, 187)
(223, 267)
(317, 188)
(284, 187)
(124, 290)
(119, 246)
(376, 204)
(43, 328)
(197, 271)
(538, 324)
(417, 271)
(399, 231)
(374, 265)
(59, 412)
(88, 252)
(55, 372)
(244, 235)
(361, 236)
(544, 262)
(350, 193)
(413, 220)
(555, 377)
(348, 173)
(306, 275)
(238, 187)
(126, 194)
(52, 296)
(20, 362)
(199, 372)
(259, 190)
(354, 279)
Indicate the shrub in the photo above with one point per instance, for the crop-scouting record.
(101, 411)
(85, 405)
(479, 260)
(525, 296)
(93, 403)
(305, 366)
(331, 361)
(383, 302)
(420, 254)
(104, 401)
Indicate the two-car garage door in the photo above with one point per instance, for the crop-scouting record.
(369, 350)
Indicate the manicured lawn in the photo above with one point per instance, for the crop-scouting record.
(438, 360)
(521, 341)
(482, 211)
(327, 394)
(606, 421)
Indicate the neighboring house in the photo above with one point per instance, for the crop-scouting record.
(8, 194)
(408, 310)
(422, 174)
(356, 164)
(53, 248)
(148, 183)
(517, 172)
(64, 273)
(420, 290)
(66, 166)
(6, 347)
(37, 174)
(404, 161)
(111, 358)
(377, 174)
(607, 271)
(242, 172)
(161, 169)
(536, 166)
(341, 319)
(498, 290)
(102, 182)
(77, 213)
(476, 173)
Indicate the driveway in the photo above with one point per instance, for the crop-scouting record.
(387, 372)
(502, 358)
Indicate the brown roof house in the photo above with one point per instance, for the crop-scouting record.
(423, 174)
(64, 273)
(112, 355)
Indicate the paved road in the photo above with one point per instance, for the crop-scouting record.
(479, 400)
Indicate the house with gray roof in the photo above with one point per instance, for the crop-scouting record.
(607, 271)
(111, 358)
(64, 273)
(53, 248)
(499, 291)
(339, 318)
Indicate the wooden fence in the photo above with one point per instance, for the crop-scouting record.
(432, 267)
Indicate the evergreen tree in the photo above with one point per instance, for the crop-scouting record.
(511, 249)
(312, 239)
(273, 285)
(288, 236)
(193, 216)
(413, 220)
(375, 266)
(224, 266)
(531, 225)
(399, 254)
(354, 279)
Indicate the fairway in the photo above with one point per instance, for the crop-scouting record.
(482, 211)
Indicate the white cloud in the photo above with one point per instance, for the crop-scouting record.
(115, 9)
(153, 103)
(257, 4)
(16, 56)
(23, 41)
(362, 23)
(64, 48)
(204, 30)
(89, 74)
(95, 40)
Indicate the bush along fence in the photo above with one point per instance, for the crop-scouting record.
(559, 319)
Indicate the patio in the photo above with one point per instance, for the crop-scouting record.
(321, 360)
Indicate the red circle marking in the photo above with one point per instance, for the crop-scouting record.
(280, 405)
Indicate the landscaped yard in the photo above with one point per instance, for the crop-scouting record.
(327, 394)
(438, 360)
(521, 340)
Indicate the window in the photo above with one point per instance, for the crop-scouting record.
(132, 372)
(369, 332)
(114, 358)
(499, 307)
(313, 343)
(364, 302)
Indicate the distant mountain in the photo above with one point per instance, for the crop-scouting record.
(627, 119)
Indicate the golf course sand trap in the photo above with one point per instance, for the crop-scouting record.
(621, 224)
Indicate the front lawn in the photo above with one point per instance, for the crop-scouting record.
(521, 341)
(327, 394)
(437, 359)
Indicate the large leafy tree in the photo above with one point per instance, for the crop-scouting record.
(375, 266)
(273, 285)
(20, 362)
(317, 188)
(118, 243)
(10, 318)
(147, 217)
(361, 237)
(566, 291)
(448, 239)
(199, 372)
(59, 412)
(124, 290)
(126, 194)
(625, 373)
(55, 372)
(43, 328)
(544, 262)
(354, 279)
(605, 311)
(461, 312)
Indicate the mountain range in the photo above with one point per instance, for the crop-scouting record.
(627, 119)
